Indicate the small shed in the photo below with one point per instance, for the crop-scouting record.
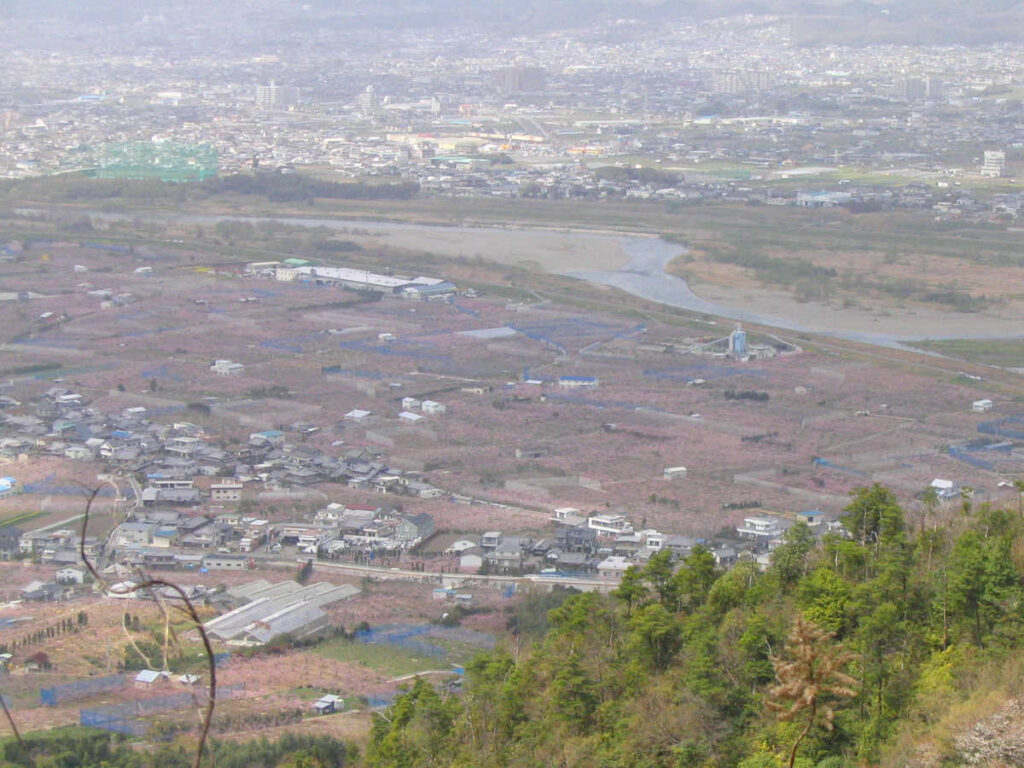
(38, 662)
(328, 703)
(70, 576)
(147, 678)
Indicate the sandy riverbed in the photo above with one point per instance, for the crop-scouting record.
(636, 264)
(867, 317)
(534, 249)
(578, 252)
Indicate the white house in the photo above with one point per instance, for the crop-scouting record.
(760, 527)
(78, 453)
(578, 382)
(226, 367)
(609, 524)
(70, 576)
(226, 491)
(613, 567)
(980, 406)
(410, 403)
(429, 406)
(149, 677)
(944, 489)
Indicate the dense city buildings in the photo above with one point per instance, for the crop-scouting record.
(740, 106)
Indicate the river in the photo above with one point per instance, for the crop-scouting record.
(643, 275)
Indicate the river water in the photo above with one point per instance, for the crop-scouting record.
(643, 275)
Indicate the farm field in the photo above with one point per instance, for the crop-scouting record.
(557, 394)
(311, 354)
(894, 272)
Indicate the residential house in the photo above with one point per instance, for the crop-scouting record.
(490, 539)
(568, 562)
(267, 437)
(226, 492)
(38, 662)
(609, 525)
(422, 490)
(226, 367)
(128, 534)
(471, 560)
(507, 557)
(37, 591)
(725, 556)
(578, 382)
(9, 540)
(78, 453)
(680, 546)
(148, 678)
(165, 538)
(568, 516)
(613, 567)
(761, 527)
(412, 529)
(70, 576)
(578, 539)
(221, 562)
(328, 703)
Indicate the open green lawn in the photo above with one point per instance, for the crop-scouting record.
(1008, 353)
(20, 518)
(387, 659)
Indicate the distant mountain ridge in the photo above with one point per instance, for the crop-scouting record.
(853, 22)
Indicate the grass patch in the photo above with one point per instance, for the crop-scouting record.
(22, 517)
(386, 659)
(1007, 353)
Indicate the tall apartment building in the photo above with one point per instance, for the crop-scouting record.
(933, 87)
(519, 79)
(994, 164)
(909, 88)
(739, 80)
(369, 104)
(276, 96)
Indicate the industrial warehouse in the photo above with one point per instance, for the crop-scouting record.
(300, 270)
(270, 610)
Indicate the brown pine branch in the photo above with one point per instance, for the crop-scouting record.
(813, 671)
(149, 583)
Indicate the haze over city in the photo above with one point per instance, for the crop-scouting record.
(626, 383)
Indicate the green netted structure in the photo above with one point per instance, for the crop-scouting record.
(165, 160)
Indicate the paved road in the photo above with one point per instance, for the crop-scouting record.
(399, 574)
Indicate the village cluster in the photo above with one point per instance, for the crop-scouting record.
(187, 514)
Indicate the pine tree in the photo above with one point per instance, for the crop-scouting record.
(810, 679)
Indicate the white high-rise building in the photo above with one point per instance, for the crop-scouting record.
(276, 96)
(369, 104)
(738, 343)
(994, 165)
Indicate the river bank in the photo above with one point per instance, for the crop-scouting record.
(636, 264)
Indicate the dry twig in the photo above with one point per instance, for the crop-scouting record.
(151, 584)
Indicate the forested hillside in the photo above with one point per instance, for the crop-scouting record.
(877, 649)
